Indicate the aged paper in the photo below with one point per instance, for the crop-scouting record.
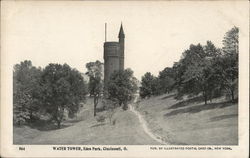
(153, 35)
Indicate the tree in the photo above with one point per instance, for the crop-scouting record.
(122, 87)
(178, 70)
(226, 68)
(212, 55)
(193, 77)
(226, 65)
(149, 85)
(166, 80)
(211, 51)
(95, 86)
(229, 62)
(231, 42)
(26, 91)
(63, 88)
(197, 72)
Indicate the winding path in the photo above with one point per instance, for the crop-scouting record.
(144, 125)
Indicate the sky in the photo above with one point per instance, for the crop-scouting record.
(156, 33)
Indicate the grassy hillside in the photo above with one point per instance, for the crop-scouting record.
(191, 122)
(185, 122)
(85, 129)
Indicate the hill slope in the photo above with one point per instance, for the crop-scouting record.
(86, 130)
(190, 121)
(161, 120)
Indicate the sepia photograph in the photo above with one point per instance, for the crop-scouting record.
(124, 73)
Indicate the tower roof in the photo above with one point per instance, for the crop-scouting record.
(121, 33)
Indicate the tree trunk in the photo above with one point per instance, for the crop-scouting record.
(94, 111)
(31, 114)
(58, 124)
(94, 106)
(96, 97)
(232, 95)
(59, 116)
(205, 97)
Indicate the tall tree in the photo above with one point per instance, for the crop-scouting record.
(26, 91)
(226, 66)
(122, 87)
(231, 42)
(197, 71)
(166, 80)
(95, 86)
(149, 85)
(63, 88)
(211, 51)
(212, 55)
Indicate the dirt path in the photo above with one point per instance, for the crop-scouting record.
(145, 127)
(126, 131)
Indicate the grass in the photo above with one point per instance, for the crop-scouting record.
(185, 122)
(190, 121)
(85, 129)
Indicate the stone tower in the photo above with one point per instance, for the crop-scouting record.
(113, 56)
(121, 42)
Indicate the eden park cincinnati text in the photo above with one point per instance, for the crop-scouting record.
(79, 148)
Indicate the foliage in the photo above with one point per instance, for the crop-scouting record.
(231, 42)
(230, 66)
(227, 71)
(205, 70)
(149, 85)
(196, 65)
(166, 80)
(122, 87)
(226, 66)
(95, 85)
(63, 89)
(26, 91)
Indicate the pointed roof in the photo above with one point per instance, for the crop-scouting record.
(121, 33)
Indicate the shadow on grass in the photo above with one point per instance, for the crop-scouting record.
(186, 102)
(97, 125)
(72, 121)
(199, 108)
(222, 117)
(46, 125)
(168, 96)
